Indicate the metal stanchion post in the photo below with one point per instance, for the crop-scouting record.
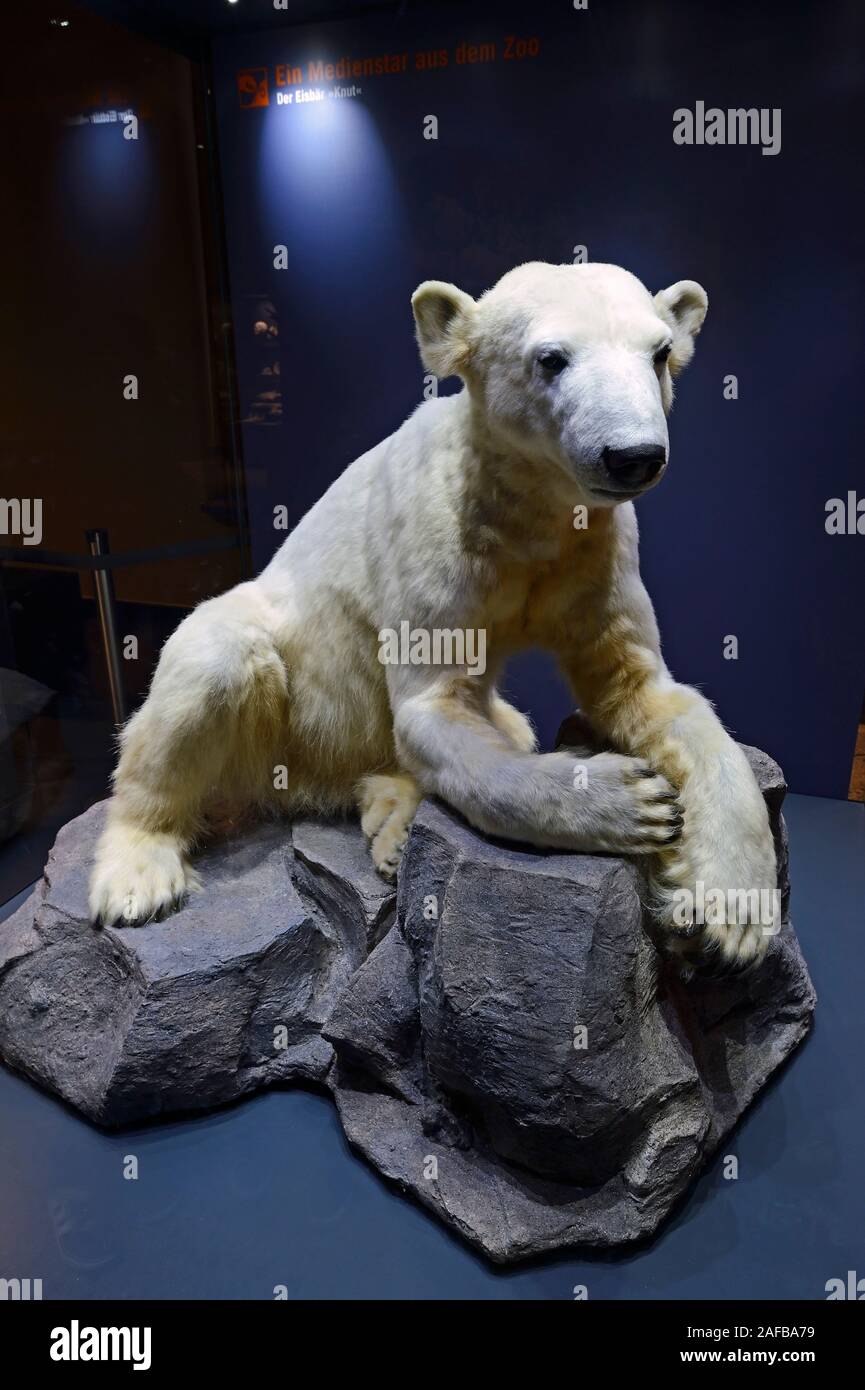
(97, 542)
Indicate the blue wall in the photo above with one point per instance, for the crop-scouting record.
(574, 147)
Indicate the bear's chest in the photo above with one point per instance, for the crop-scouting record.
(540, 603)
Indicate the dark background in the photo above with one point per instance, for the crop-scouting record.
(108, 270)
(575, 147)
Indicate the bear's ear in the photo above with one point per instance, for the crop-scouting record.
(683, 306)
(443, 316)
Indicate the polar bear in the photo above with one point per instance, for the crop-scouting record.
(504, 510)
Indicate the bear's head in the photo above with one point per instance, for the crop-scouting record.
(568, 365)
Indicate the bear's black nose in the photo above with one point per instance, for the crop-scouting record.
(636, 465)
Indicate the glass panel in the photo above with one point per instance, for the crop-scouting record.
(117, 404)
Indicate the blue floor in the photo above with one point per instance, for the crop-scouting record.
(268, 1193)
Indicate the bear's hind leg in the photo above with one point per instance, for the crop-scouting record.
(214, 715)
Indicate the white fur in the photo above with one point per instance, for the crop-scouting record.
(461, 519)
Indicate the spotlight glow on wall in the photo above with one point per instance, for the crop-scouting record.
(328, 189)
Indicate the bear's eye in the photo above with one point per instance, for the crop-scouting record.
(552, 361)
(662, 354)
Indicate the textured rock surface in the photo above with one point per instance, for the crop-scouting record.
(507, 1044)
(537, 1143)
(227, 995)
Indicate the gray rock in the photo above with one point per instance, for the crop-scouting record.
(227, 995)
(534, 1136)
(333, 867)
(448, 1024)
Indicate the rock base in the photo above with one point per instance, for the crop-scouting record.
(501, 1037)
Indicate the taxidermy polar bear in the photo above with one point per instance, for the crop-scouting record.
(466, 521)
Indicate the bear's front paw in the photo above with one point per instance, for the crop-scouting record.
(622, 805)
(387, 804)
(387, 848)
(137, 877)
(718, 914)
